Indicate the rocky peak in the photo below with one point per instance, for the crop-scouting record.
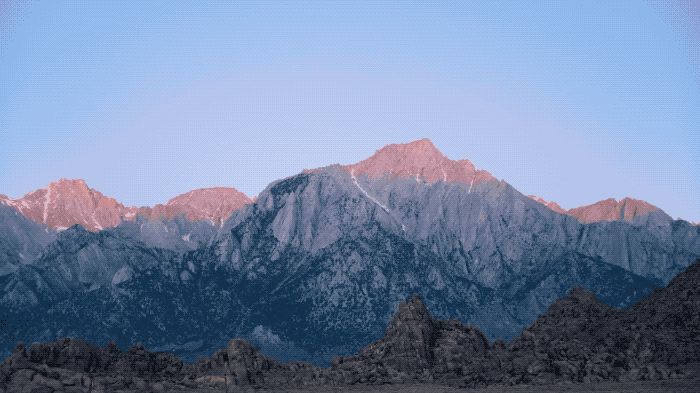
(67, 202)
(411, 311)
(687, 279)
(627, 209)
(245, 362)
(580, 295)
(412, 326)
(215, 204)
(577, 303)
(571, 313)
(420, 160)
(681, 297)
(409, 337)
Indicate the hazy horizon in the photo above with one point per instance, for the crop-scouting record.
(572, 102)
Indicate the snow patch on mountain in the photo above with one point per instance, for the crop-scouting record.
(371, 198)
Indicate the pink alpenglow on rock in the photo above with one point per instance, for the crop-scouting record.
(550, 204)
(627, 209)
(611, 209)
(66, 202)
(419, 160)
(214, 204)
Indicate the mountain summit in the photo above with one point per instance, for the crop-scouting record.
(214, 204)
(68, 202)
(420, 160)
(626, 209)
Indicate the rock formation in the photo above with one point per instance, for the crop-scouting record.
(577, 340)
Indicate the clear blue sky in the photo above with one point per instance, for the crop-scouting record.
(573, 101)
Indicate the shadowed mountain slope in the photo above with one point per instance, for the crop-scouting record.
(577, 340)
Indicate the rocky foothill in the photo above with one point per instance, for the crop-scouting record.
(577, 340)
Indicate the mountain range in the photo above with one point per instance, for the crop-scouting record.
(67, 202)
(626, 209)
(315, 265)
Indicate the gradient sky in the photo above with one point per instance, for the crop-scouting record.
(572, 101)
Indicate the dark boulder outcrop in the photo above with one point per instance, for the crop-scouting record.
(580, 339)
(241, 364)
(416, 347)
(76, 366)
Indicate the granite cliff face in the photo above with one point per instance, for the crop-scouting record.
(578, 339)
(316, 265)
(108, 287)
(176, 234)
(21, 240)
